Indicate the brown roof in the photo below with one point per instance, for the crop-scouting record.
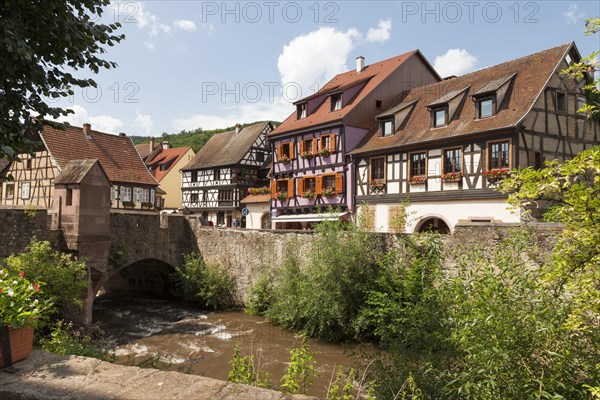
(167, 157)
(143, 149)
(372, 74)
(226, 148)
(76, 170)
(116, 154)
(531, 74)
(256, 198)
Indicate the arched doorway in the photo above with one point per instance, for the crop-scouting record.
(265, 221)
(433, 224)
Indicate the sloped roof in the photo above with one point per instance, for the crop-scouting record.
(226, 148)
(532, 73)
(167, 157)
(372, 74)
(76, 170)
(256, 198)
(143, 149)
(117, 154)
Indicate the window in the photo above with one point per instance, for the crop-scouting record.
(327, 142)
(10, 191)
(377, 169)
(329, 182)
(581, 102)
(285, 152)
(301, 110)
(194, 198)
(25, 186)
(28, 163)
(378, 104)
(225, 195)
(568, 59)
(309, 183)
(136, 194)
(125, 194)
(113, 193)
(282, 185)
(485, 107)
(452, 161)
(336, 102)
(69, 199)
(260, 156)
(204, 192)
(144, 195)
(498, 154)
(417, 164)
(217, 174)
(439, 117)
(163, 167)
(561, 102)
(387, 127)
(307, 146)
(194, 177)
(153, 196)
(220, 218)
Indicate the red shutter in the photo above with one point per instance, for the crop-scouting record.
(273, 188)
(290, 188)
(319, 181)
(339, 183)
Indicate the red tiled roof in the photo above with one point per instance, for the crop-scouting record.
(168, 157)
(117, 154)
(256, 198)
(532, 74)
(375, 73)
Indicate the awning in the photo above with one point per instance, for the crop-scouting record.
(310, 217)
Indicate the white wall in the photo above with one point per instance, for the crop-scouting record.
(257, 210)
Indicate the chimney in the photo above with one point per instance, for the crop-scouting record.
(165, 145)
(237, 128)
(87, 128)
(360, 64)
(122, 134)
(151, 144)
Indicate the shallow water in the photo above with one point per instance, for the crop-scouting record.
(180, 337)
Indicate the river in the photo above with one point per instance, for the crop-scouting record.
(180, 337)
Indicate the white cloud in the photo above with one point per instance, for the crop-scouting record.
(454, 62)
(316, 57)
(573, 16)
(276, 110)
(145, 121)
(102, 123)
(381, 33)
(185, 25)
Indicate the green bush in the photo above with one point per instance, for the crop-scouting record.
(65, 339)
(300, 373)
(211, 285)
(244, 370)
(66, 279)
(260, 298)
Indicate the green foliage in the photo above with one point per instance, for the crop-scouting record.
(21, 302)
(41, 43)
(341, 388)
(243, 370)
(211, 285)
(118, 255)
(260, 298)
(195, 138)
(65, 339)
(67, 280)
(300, 373)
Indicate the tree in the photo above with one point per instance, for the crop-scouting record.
(40, 43)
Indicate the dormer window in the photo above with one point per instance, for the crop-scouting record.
(485, 107)
(336, 102)
(301, 110)
(387, 127)
(440, 117)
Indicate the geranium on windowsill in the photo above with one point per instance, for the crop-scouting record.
(281, 196)
(324, 152)
(497, 173)
(309, 194)
(328, 192)
(452, 177)
(284, 159)
(21, 301)
(307, 155)
(418, 180)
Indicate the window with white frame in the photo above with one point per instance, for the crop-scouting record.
(137, 194)
(145, 195)
(113, 193)
(125, 193)
(153, 196)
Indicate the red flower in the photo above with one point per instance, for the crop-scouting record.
(36, 286)
(0, 290)
(22, 274)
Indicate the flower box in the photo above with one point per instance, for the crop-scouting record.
(281, 196)
(328, 192)
(309, 194)
(496, 174)
(324, 152)
(284, 159)
(307, 155)
(452, 177)
(21, 344)
(418, 180)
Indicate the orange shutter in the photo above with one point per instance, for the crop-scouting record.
(279, 152)
(273, 188)
(302, 149)
(319, 184)
(315, 144)
(290, 188)
(339, 183)
(332, 143)
(300, 186)
(292, 150)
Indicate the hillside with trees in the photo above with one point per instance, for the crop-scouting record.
(195, 138)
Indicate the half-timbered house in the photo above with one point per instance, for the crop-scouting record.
(223, 170)
(132, 185)
(436, 155)
(311, 170)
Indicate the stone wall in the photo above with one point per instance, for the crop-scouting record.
(18, 225)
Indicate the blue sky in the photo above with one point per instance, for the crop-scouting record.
(191, 64)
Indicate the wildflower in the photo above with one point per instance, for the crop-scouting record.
(10, 292)
(0, 290)
(22, 274)
(36, 286)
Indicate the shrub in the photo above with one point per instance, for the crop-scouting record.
(243, 370)
(260, 297)
(300, 372)
(211, 285)
(65, 339)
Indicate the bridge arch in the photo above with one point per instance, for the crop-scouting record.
(435, 223)
(145, 277)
